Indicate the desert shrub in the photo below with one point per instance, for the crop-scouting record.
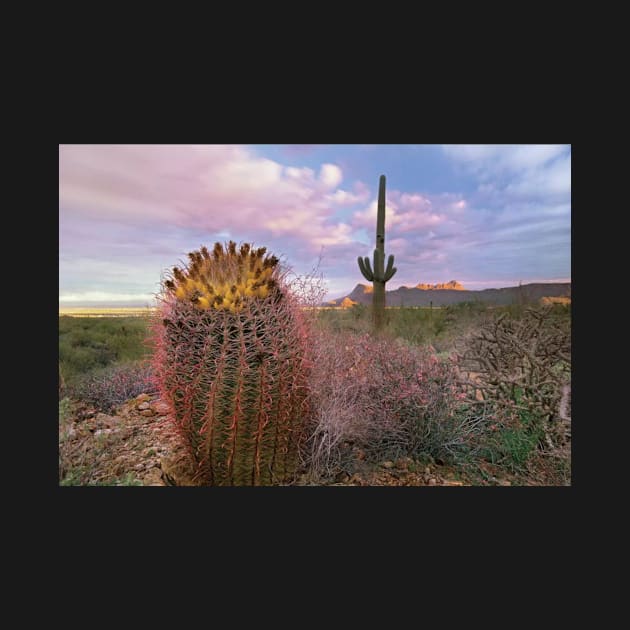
(92, 343)
(388, 398)
(110, 387)
(360, 312)
(416, 325)
(79, 477)
(520, 368)
(457, 320)
(76, 360)
(513, 438)
(65, 410)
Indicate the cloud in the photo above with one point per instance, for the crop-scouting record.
(209, 188)
(508, 172)
(330, 175)
(552, 181)
(105, 296)
(404, 213)
(344, 198)
(494, 158)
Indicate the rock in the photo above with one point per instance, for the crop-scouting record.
(99, 432)
(142, 397)
(147, 413)
(153, 478)
(144, 405)
(105, 420)
(505, 482)
(68, 434)
(453, 285)
(161, 408)
(403, 463)
(427, 471)
(432, 481)
(387, 464)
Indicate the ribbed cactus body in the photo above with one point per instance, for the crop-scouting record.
(235, 371)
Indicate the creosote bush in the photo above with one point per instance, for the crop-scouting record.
(112, 386)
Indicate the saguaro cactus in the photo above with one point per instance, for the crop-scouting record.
(381, 274)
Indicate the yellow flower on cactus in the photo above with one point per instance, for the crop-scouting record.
(227, 278)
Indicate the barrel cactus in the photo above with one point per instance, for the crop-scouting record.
(232, 362)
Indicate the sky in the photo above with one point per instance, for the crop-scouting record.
(488, 216)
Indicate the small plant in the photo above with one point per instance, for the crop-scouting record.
(358, 312)
(127, 480)
(73, 477)
(76, 478)
(65, 409)
(110, 387)
(517, 446)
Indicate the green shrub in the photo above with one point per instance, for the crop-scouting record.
(65, 407)
(92, 343)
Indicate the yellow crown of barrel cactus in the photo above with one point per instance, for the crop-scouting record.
(225, 278)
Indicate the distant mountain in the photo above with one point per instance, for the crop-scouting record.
(453, 293)
(452, 285)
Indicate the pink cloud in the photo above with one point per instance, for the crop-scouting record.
(213, 188)
(330, 175)
(344, 198)
(404, 212)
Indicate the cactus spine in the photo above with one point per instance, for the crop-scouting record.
(231, 361)
(381, 274)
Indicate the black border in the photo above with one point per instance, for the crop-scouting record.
(301, 513)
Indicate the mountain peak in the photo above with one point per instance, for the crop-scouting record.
(362, 288)
(453, 285)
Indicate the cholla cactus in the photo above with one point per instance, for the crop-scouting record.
(231, 360)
